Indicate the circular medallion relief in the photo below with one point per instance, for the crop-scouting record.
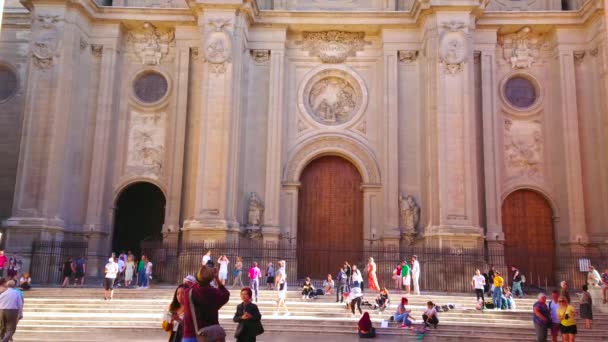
(8, 83)
(520, 92)
(332, 97)
(150, 87)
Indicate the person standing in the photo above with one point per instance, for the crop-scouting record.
(416, 274)
(478, 282)
(80, 269)
(129, 270)
(254, 279)
(11, 311)
(517, 289)
(405, 276)
(491, 274)
(148, 276)
(142, 281)
(223, 273)
(238, 272)
(372, 279)
(248, 317)
(541, 318)
(280, 280)
(342, 279)
(111, 270)
(564, 292)
(67, 270)
(270, 276)
(206, 258)
(567, 316)
(397, 276)
(553, 306)
(349, 273)
(3, 261)
(593, 277)
(121, 270)
(604, 284)
(14, 267)
(356, 296)
(357, 277)
(497, 292)
(586, 306)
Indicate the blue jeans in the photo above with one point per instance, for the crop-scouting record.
(403, 318)
(142, 280)
(356, 284)
(497, 297)
(255, 285)
(517, 290)
(189, 339)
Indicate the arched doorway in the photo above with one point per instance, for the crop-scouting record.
(330, 216)
(527, 221)
(139, 215)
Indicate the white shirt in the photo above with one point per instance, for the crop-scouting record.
(357, 276)
(206, 259)
(553, 307)
(111, 270)
(223, 266)
(416, 269)
(430, 312)
(121, 265)
(149, 268)
(479, 281)
(11, 300)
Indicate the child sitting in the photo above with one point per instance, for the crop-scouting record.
(382, 300)
(508, 299)
(308, 291)
(430, 316)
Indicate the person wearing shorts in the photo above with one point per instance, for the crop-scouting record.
(281, 285)
(111, 271)
(223, 273)
(567, 316)
(270, 276)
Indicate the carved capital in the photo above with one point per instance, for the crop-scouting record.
(407, 56)
(333, 46)
(578, 57)
(260, 56)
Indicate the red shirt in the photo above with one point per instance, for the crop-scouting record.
(3, 260)
(207, 302)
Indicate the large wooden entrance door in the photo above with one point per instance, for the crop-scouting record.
(529, 238)
(330, 217)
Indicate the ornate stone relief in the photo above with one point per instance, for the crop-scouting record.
(218, 45)
(578, 57)
(332, 97)
(453, 46)
(523, 147)
(151, 44)
(408, 56)
(409, 215)
(333, 46)
(96, 50)
(255, 213)
(146, 144)
(46, 42)
(260, 56)
(521, 48)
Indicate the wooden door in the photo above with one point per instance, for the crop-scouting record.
(330, 217)
(529, 238)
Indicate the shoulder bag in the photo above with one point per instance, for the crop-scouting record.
(212, 333)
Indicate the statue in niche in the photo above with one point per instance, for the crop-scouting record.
(254, 217)
(410, 217)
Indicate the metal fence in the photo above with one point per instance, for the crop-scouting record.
(446, 270)
(48, 258)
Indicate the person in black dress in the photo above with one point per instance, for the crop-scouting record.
(67, 270)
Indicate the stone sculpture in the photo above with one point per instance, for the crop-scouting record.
(410, 217)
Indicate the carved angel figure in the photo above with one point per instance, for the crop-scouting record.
(254, 217)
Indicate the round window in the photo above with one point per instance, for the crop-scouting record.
(8, 83)
(150, 87)
(520, 92)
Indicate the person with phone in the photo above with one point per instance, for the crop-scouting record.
(567, 316)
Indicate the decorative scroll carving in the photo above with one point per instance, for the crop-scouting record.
(96, 50)
(150, 43)
(218, 45)
(146, 144)
(408, 56)
(260, 56)
(45, 45)
(521, 48)
(409, 213)
(333, 46)
(523, 147)
(453, 46)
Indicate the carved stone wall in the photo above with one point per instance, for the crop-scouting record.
(523, 148)
(146, 144)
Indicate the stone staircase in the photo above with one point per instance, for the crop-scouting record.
(54, 314)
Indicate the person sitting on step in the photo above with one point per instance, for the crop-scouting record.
(365, 328)
(508, 299)
(430, 315)
(382, 300)
(328, 285)
(402, 315)
(308, 290)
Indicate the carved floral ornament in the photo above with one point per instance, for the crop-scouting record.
(45, 45)
(218, 45)
(151, 44)
(522, 48)
(453, 46)
(333, 46)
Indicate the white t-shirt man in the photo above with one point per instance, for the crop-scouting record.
(149, 269)
(223, 268)
(111, 270)
(479, 281)
(416, 269)
(206, 259)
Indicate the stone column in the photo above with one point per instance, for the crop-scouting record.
(178, 127)
(217, 163)
(391, 146)
(571, 143)
(274, 145)
(454, 217)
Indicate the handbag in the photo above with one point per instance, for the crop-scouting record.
(212, 333)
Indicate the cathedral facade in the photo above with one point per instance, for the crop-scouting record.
(447, 124)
